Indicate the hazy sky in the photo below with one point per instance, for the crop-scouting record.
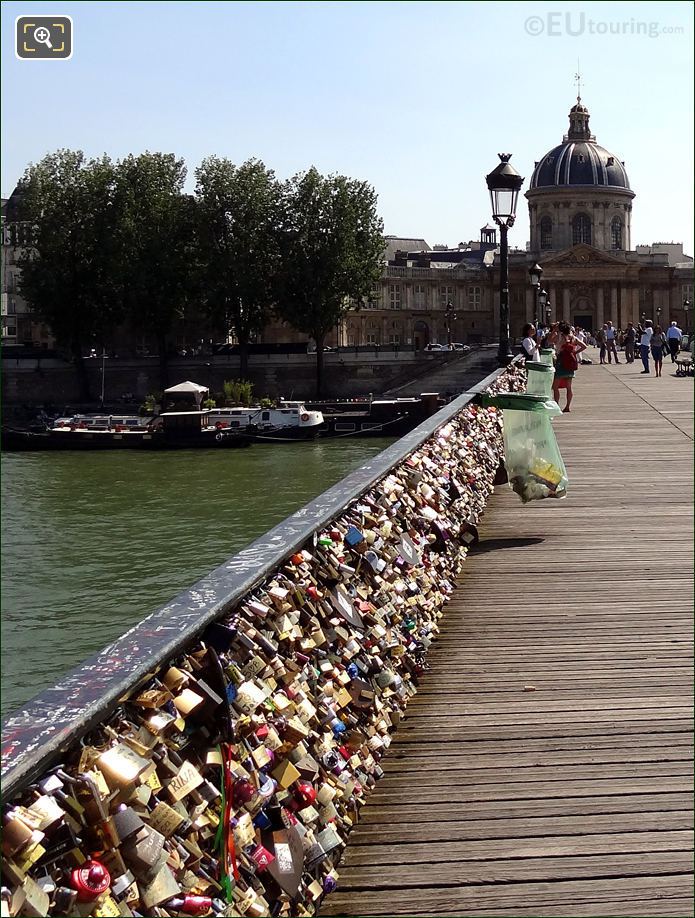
(417, 98)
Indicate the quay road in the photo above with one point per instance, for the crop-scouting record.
(545, 765)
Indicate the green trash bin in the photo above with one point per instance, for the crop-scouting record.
(540, 378)
(535, 467)
(547, 355)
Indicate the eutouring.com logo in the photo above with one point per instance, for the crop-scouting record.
(573, 25)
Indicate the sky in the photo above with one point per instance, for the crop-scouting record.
(416, 98)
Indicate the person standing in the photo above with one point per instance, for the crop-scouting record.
(610, 342)
(630, 338)
(568, 348)
(601, 341)
(529, 346)
(657, 344)
(644, 343)
(674, 336)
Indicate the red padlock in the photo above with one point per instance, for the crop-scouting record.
(91, 880)
(305, 794)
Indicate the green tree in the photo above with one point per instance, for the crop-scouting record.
(238, 216)
(69, 273)
(156, 241)
(332, 249)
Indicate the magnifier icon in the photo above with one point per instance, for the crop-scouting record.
(43, 37)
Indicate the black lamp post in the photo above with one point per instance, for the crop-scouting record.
(542, 304)
(686, 308)
(504, 184)
(535, 273)
(450, 315)
(548, 311)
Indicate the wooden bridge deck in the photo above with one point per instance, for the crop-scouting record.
(545, 766)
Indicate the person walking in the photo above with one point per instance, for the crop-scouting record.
(644, 344)
(601, 341)
(657, 344)
(674, 337)
(568, 348)
(630, 338)
(610, 342)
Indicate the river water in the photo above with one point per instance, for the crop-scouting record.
(93, 542)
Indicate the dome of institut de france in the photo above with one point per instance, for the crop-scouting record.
(579, 160)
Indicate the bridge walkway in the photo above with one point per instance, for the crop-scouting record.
(545, 766)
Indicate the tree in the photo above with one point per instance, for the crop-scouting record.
(156, 243)
(69, 275)
(332, 251)
(238, 216)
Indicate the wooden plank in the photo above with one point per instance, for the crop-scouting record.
(523, 826)
(556, 845)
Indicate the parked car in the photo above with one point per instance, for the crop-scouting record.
(436, 347)
(457, 346)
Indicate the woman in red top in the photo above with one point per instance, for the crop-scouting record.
(568, 348)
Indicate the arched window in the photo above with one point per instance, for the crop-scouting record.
(616, 233)
(546, 233)
(581, 229)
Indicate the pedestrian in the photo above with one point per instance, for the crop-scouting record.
(674, 337)
(657, 344)
(630, 338)
(601, 341)
(610, 341)
(644, 343)
(529, 346)
(568, 348)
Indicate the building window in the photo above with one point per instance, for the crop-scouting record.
(374, 299)
(446, 295)
(394, 339)
(546, 233)
(616, 233)
(581, 229)
(420, 296)
(371, 338)
(395, 295)
(474, 298)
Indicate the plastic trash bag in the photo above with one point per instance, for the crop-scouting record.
(540, 378)
(535, 467)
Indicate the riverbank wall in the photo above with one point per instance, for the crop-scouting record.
(34, 382)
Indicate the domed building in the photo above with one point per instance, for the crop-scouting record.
(580, 209)
(579, 193)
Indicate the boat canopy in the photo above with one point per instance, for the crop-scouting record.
(187, 386)
(179, 396)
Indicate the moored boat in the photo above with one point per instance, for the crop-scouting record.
(286, 421)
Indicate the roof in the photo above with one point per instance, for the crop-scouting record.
(579, 162)
(187, 386)
(402, 244)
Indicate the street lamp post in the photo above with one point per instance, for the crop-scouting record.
(686, 308)
(658, 316)
(450, 316)
(548, 311)
(535, 273)
(504, 184)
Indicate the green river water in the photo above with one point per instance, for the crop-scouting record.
(93, 542)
